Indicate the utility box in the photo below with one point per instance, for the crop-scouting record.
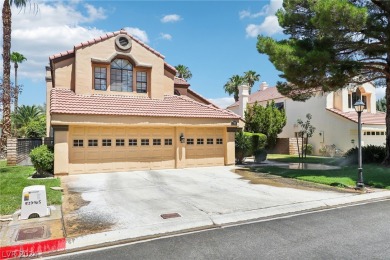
(34, 202)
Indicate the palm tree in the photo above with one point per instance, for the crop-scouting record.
(7, 17)
(232, 85)
(183, 72)
(16, 58)
(24, 116)
(251, 77)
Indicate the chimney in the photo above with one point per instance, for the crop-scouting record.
(243, 95)
(263, 86)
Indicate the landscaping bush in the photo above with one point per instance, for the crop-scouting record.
(243, 146)
(248, 144)
(309, 149)
(42, 158)
(370, 154)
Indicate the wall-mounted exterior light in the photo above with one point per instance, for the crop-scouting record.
(182, 139)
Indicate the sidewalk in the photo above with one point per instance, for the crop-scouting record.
(125, 207)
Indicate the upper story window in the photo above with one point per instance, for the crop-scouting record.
(354, 97)
(121, 75)
(141, 82)
(100, 78)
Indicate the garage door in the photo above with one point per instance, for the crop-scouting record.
(204, 147)
(104, 149)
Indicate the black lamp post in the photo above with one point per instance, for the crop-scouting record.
(359, 107)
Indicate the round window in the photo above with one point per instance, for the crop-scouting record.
(123, 42)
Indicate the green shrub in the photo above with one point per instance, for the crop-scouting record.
(242, 146)
(370, 154)
(42, 158)
(309, 149)
(258, 142)
(36, 128)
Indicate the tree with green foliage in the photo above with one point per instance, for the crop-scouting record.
(36, 128)
(332, 44)
(23, 117)
(381, 105)
(268, 120)
(6, 86)
(307, 131)
(183, 72)
(251, 77)
(242, 146)
(231, 87)
(16, 58)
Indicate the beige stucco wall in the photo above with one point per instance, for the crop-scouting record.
(64, 73)
(107, 50)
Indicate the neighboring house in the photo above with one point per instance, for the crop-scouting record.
(114, 104)
(333, 115)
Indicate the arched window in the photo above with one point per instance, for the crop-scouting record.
(121, 76)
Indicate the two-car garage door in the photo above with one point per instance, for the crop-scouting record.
(104, 149)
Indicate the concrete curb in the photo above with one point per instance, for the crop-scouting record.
(32, 249)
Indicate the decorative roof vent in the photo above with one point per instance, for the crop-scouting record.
(123, 42)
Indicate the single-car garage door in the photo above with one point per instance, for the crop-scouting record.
(104, 149)
(204, 147)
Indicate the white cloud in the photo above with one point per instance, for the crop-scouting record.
(270, 25)
(171, 18)
(138, 33)
(55, 28)
(222, 102)
(166, 36)
(94, 13)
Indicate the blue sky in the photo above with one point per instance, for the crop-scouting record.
(215, 39)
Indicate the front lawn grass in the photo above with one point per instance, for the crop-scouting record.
(309, 159)
(12, 181)
(374, 175)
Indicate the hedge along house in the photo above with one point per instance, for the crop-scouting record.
(114, 104)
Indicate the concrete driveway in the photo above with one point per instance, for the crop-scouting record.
(105, 207)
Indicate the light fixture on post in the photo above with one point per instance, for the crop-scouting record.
(182, 139)
(359, 107)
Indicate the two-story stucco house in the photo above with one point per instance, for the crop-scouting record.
(114, 104)
(333, 115)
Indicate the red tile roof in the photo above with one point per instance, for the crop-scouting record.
(104, 37)
(180, 81)
(65, 101)
(367, 118)
(269, 93)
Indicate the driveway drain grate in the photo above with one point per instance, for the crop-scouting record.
(170, 215)
(30, 233)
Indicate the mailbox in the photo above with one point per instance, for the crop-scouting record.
(34, 202)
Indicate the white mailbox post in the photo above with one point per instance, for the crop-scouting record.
(34, 202)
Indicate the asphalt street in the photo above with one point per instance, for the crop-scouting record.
(354, 232)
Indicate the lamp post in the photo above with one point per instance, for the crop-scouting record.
(359, 107)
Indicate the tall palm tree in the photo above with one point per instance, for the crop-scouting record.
(183, 72)
(16, 58)
(7, 17)
(251, 77)
(232, 85)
